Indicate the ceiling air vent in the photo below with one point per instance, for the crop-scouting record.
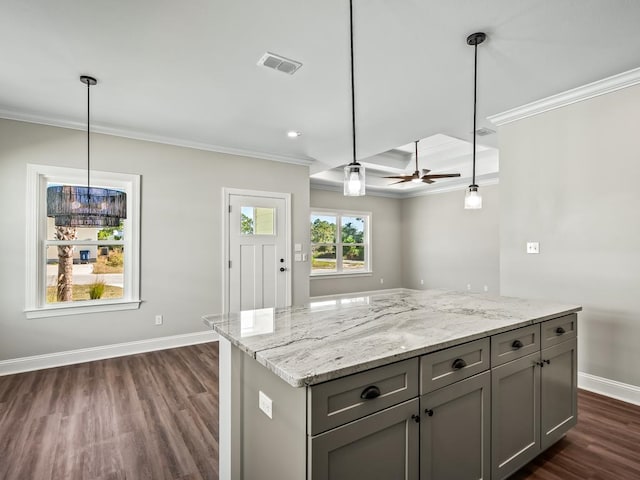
(483, 132)
(280, 63)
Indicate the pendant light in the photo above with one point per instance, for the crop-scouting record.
(354, 172)
(473, 199)
(75, 206)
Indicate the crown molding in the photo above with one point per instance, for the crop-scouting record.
(481, 180)
(148, 137)
(330, 187)
(585, 92)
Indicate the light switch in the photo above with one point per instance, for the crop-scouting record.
(304, 257)
(533, 247)
(297, 247)
(298, 257)
(265, 404)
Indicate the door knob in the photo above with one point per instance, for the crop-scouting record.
(282, 269)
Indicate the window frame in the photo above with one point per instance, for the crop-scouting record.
(339, 245)
(36, 241)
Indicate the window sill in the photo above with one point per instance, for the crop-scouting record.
(315, 276)
(63, 310)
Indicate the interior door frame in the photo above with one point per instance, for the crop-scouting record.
(226, 193)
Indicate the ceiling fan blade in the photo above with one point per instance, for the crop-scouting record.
(425, 171)
(404, 178)
(427, 180)
(402, 181)
(442, 175)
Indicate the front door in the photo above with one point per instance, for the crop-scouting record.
(258, 258)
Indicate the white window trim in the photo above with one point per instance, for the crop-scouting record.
(367, 237)
(36, 230)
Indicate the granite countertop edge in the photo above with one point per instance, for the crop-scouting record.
(313, 379)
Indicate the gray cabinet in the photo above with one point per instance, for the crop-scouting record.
(559, 397)
(534, 398)
(455, 431)
(381, 446)
(515, 414)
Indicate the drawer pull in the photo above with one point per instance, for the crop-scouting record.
(415, 418)
(560, 331)
(370, 393)
(429, 412)
(458, 363)
(516, 345)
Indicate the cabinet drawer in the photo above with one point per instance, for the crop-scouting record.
(447, 366)
(340, 401)
(517, 343)
(559, 330)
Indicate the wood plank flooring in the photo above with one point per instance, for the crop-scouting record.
(154, 416)
(148, 416)
(605, 445)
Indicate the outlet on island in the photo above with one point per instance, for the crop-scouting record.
(158, 319)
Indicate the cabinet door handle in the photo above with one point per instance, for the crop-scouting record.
(370, 393)
(415, 418)
(429, 412)
(458, 363)
(548, 362)
(516, 345)
(560, 331)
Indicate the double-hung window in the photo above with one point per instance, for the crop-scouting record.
(80, 269)
(340, 242)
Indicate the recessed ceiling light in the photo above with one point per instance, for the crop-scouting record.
(293, 134)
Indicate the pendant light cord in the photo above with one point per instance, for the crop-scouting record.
(88, 139)
(353, 95)
(475, 90)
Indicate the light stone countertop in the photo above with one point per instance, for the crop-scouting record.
(333, 337)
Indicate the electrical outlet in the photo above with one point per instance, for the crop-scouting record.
(468, 286)
(421, 282)
(158, 319)
(265, 404)
(533, 247)
(304, 257)
(381, 281)
(486, 288)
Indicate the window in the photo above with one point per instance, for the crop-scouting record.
(340, 242)
(80, 269)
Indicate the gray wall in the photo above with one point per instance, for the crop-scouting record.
(570, 180)
(181, 209)
(448, 246)
(386, 243)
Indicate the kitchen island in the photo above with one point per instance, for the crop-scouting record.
(402, 384)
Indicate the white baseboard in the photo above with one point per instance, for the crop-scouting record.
(610, 388)
(58, 359)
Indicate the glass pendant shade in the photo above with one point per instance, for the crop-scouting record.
(354, 185)
(472, 199)
(73, 206)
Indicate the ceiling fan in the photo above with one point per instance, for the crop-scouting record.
(426, 178)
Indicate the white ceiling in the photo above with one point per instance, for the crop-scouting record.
(185, 72)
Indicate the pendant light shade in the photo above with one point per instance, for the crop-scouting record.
(473, 199)
(354, 174)
(75, 206)
(354, 180)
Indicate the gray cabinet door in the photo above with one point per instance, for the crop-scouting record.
(558, 389)
(455, 438)
(381, 446)
(515, 414)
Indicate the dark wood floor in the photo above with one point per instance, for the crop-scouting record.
(605, 445)
(154, 416)
(148, 416)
